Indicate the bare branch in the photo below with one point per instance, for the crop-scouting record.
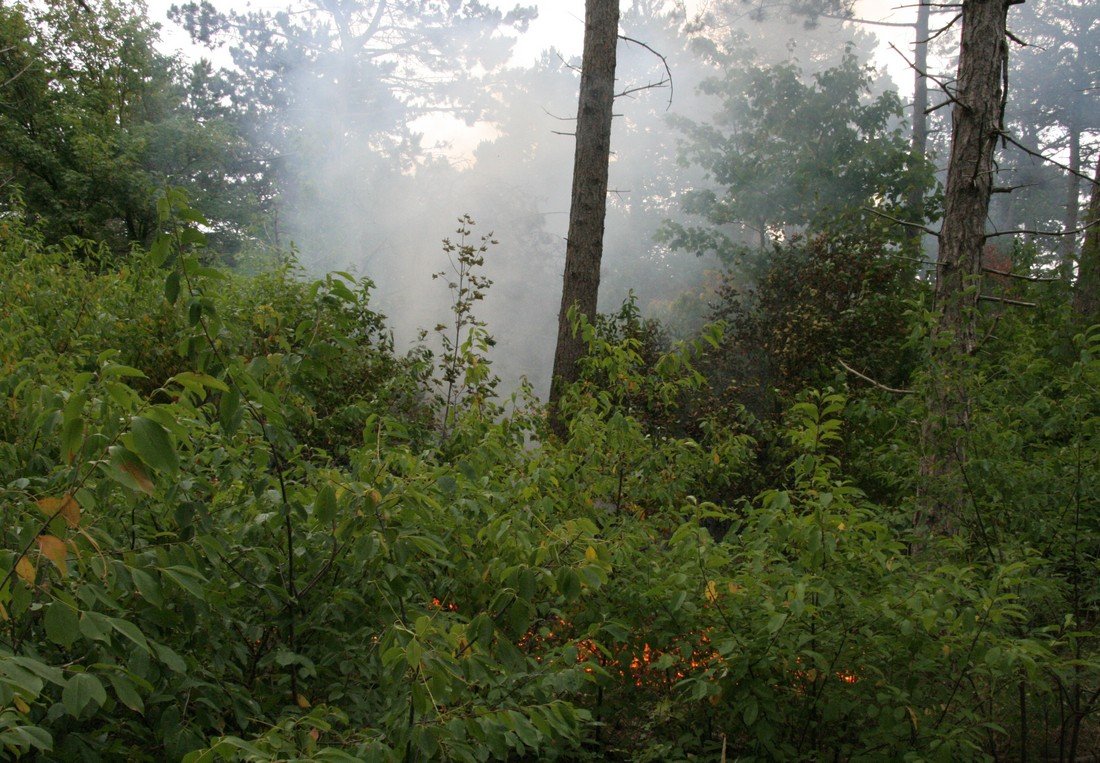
(566, 64)
(906, 223)
(939, 106)
(1006, 301)
(650, 86)
(1029, 232)
(940, 84)
(664, 61)
(555, 116)
(16, 76)
(1020, 276)
(943, 29)
(1044, 157)
(871, 381)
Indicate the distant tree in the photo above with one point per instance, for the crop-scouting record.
(588, 207)
(1053, 112)
(1054, 107)
(94, 122)
(1086, 298)
(789, 154)
(814, 301)
(328, 96)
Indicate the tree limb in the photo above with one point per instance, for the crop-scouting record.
(1029, 232)
(893, 219)
(871, 381)
(1006, 300)
(1039, 155)
(664, 61)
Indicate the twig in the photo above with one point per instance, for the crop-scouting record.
(649, 86)
(893, 219)
(1033, 279)
(1006, 300)
(871, 381)
(1038, 155)
(566, 64)
(943, 29)
(555, 116)
(1028, 231)
(942, 85)
(664, 61)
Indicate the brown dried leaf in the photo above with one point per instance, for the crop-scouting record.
(55, 550)
(66, 507)
(25, 570)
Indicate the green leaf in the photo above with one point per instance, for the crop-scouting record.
(188, 579)
(480, 630)
(172, 287)
(324, 507)
(153, 445)
(751, 711)
(174, 662)
(130, 631)
(126, 692)
(128, 470)
(72, 437)
(117, 371)
(199, 382)
(147, 586)
(94, 626)
(569, 583)
(62, 624)
(81, 691)
(413, 652)
(229, 408)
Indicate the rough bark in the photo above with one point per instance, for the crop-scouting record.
(976, 123)
(584, 246)
(1086, 294)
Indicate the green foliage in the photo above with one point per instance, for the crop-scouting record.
(94, 121)
(786, 153)
(834, 296)
(465, 377)
(234, 533)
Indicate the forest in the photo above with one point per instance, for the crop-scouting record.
(390, 380)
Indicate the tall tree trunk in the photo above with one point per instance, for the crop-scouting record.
(1086, 295)
(584, 247)
(976, 122)
(920, 106)
(1068, 245)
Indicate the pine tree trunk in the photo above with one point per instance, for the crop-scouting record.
(976, 122)
(1086, 295)
(584, 247)
(920, 106)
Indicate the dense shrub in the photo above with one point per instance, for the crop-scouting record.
(234, 531)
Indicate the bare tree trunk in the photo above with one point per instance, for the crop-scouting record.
(1086, 295)
(1068, 244)
(584, 247)
(976, 122)
(920, 106)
